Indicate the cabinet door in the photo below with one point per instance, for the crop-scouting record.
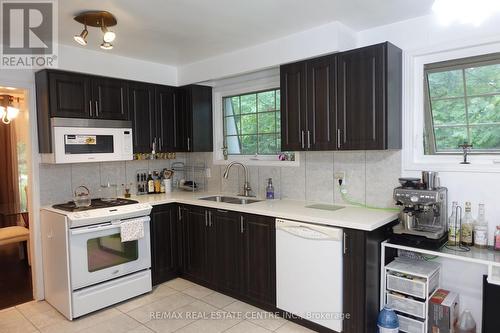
(183, 120)
(142, 109)
(195, 224)
(109, 97)
(227, 260)
(69, 95)
(321, 103)
(166, 115)
(361, 100)
(259, 242)
(201, 131)
(164, 249)
(293, 106)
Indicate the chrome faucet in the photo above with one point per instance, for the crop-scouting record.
(247, 190)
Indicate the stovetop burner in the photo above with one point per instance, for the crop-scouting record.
(95, 204)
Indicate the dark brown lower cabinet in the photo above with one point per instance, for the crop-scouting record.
(164, 243)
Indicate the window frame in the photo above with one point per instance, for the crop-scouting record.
(414, 159)
(450, 65)
(260, 81)
(276, 134)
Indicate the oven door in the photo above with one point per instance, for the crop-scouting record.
(97, 253)
(85, 144)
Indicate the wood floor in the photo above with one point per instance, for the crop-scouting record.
(15, 277)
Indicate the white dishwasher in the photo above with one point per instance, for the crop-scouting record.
(309, 272)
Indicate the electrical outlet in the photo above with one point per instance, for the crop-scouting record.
(340, 175)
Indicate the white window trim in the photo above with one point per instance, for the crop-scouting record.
(250, 83)
(414, 158)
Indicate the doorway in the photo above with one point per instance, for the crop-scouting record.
(15, 260)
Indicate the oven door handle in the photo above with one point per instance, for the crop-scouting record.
(94, 229)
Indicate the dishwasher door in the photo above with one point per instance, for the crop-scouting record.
(309, 272)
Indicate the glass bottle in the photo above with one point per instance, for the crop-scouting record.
(481, 229)
(270, 189)
(467, 226)
(453, 226)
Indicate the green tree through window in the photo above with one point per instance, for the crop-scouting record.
(463, 105)
(252, 123)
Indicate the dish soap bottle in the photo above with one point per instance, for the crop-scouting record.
(270, 189)
(467, 226)
(453, 226)
(388, 321)
(481, 229)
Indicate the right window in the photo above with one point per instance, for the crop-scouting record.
(462, 102)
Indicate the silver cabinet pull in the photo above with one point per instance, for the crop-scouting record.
(96, 109)
(179, 212)
(160, 143)
(189, 143)
(302, 140)
(345, 243)
(338, 137)
(206, 218)
(90, 109)
(210, 219)
(308, 139)
(242, 230)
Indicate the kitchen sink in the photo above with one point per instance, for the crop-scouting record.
(229, 199)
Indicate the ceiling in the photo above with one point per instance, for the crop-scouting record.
(177, 32)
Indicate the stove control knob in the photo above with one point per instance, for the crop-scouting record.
(414, 198)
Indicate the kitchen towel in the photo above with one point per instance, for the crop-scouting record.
(131, 230)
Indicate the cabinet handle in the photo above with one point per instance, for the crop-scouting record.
(96, 109)
(345, 243)
(338, 138)
(179, 212)
(189, 143)
(206, 218)
(160, 144)
(241, 225)
(210, 219)
(90, 109)
(308, 139)
(302, 140)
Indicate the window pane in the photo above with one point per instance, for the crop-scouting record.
(278, 100)
(278, 122)
(267, 144)
(448, 138)
(484, 109)
(231, 125)
(249, 144)
(449, 111)
(266, 101)
(249, 124)
(231, 106)
(485, 137)
(248, 103)
(233, 145)
(267, 122)
(446, 84)
(483, 80)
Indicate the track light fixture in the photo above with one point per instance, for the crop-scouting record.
(98, 19)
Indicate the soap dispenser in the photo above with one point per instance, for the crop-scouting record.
(270, 189)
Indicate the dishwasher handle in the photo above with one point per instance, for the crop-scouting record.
(309, 231)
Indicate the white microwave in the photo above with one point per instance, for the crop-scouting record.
(89, 140)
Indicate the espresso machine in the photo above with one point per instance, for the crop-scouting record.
(423, 220)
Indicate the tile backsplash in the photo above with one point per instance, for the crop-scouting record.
(370, 175)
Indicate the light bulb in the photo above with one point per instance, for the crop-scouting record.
(12, 112)
(109, 36)
(106, 46)
(82, 37)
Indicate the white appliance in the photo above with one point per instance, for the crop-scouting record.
(309, 272)
(86, 266)
(89, 140)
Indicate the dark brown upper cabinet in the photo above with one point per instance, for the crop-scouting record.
(194, 121)
(167, 115)
(344, 101)
(109, 97)
(370, 98)
(293, 106)
(143, 115)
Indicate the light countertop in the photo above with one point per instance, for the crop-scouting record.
(347, 217)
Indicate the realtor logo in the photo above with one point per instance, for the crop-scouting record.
(29, 32)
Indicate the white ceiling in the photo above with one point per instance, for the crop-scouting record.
(177, 32)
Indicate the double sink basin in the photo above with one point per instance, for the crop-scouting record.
(230, 199)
